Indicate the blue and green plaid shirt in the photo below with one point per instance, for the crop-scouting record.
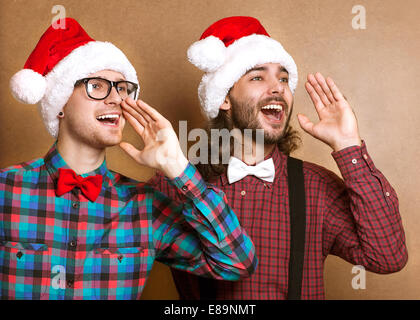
(70, 248)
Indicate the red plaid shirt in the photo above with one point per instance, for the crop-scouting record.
(356, 219)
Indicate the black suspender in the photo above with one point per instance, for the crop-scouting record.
(297, 209)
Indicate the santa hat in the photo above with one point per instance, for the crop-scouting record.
(61, 57)
(227, 50)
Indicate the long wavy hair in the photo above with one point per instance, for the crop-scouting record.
(289, 142)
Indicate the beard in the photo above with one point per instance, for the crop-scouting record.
(245, 116)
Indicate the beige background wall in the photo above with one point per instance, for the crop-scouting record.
(376, 68)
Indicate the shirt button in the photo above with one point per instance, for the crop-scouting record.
(354, 161)
(365, 156)
(387, 194)
(73, 243)
(243, 192)
(70, 283)
(75, 205)
(184, 188)
(19, 254)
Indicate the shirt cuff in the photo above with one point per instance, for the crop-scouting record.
(354, 161)
(190, 182)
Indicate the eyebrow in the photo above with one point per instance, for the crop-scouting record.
(118, 79)
(281, 69)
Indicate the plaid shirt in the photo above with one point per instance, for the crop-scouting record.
(356, 219)
(70, 248)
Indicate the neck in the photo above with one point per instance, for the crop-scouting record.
(81, 158)
(256, 154)
(252, 159)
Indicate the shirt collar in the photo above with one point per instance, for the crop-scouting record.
(279, 160)
(54, 161)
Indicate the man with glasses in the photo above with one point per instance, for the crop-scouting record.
(70, 228)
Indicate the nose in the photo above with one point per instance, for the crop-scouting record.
(276, 86)
(114, 97)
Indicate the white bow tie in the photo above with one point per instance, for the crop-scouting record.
(237, 170)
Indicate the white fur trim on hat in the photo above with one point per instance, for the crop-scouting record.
(242, 55)
(28, 86)
(82, 61)
(207, 54)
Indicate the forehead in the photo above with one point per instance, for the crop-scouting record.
(108, 74)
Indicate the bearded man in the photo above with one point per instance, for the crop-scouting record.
(296, 212)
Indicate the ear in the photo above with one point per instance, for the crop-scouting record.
(62, 112)
(226, 105)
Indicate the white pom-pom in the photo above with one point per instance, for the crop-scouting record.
(28, 86)
(207, 54)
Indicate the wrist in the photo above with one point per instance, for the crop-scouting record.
(345, 143)
(173, 167)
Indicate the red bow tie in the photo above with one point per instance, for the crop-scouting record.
(68, 180)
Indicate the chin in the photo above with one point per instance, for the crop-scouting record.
(112, 142)
(272, 135)
(109, 138)
(102, 142)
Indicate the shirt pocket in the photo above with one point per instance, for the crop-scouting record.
(25, 270)
(119, 273)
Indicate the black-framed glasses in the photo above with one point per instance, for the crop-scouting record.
(100, 88)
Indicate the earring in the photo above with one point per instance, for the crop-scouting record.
(61, 114)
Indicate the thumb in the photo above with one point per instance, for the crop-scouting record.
(305, 123)
(132, 151)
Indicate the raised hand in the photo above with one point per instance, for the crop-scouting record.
(161, 150)
(337, 124)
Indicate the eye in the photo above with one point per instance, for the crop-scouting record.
(123, 87)
(257, 78)
(286, 80)
(95, 84)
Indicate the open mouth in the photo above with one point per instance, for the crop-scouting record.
(273, 112)
(109, 119)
